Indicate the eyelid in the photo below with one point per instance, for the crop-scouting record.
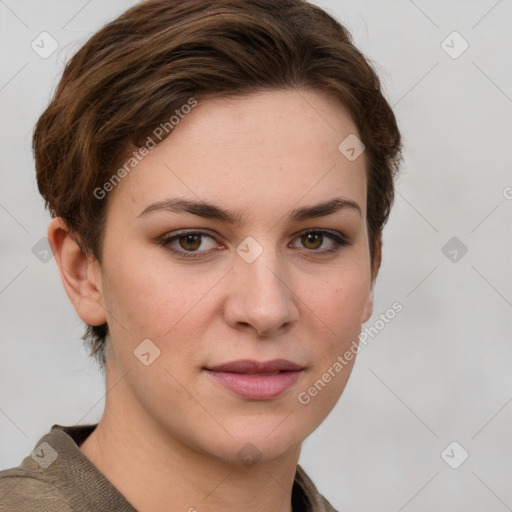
(166, 240)
(339, 239)
(325, 231)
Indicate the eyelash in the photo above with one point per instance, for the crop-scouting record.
(338, 239)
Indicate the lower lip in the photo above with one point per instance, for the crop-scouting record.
(257, 387)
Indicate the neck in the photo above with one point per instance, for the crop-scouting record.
(151, 470)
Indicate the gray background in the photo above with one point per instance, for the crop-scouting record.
(437, 373)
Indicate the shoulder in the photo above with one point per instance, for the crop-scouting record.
(23, 490)
(317, 502)
(325, 505)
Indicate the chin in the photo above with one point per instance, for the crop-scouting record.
(258, 439)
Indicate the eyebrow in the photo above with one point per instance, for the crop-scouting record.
(211, 211)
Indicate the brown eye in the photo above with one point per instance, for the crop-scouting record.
(320, 241)
(190, 242)
(195, 244)
(312, 240)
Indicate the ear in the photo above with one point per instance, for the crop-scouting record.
(375, 266)
(80, 274)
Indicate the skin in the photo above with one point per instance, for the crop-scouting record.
(169, 433)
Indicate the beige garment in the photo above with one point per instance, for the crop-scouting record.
(64, 480)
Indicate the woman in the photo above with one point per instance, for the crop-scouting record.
(218, 175)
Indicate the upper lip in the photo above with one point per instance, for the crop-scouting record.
(250, 366)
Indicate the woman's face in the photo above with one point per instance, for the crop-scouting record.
(257, 284)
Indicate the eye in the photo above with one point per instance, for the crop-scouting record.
(192, 244)
(314, 239)
(186, 245)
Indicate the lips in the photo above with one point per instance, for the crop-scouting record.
(255, 380)
(254, 367)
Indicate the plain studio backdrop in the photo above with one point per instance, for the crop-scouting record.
(425, 421)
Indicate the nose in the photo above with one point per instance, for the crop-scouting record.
(259, 297)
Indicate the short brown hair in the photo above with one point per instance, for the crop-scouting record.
(129, 76)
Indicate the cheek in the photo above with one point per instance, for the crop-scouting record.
(152, 302)
(340, 299)
(146, 295)
(336, 310)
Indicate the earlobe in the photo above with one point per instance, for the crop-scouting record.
(369, 305)
(375, 265)
(79, 273)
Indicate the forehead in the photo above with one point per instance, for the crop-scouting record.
(261, 151)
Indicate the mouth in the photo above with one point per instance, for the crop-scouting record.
(260, 373)
(249, 366)
(253, 380)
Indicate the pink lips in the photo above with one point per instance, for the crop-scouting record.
(257, 380)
